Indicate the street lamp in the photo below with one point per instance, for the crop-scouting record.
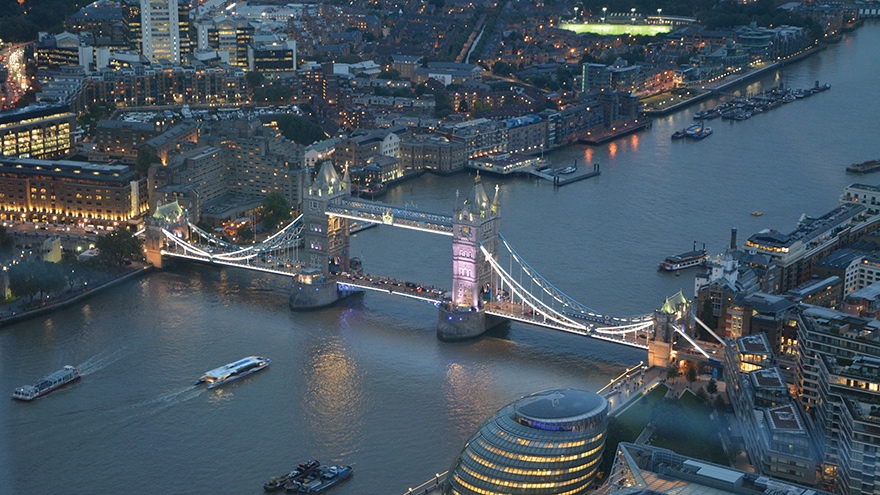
(576, 13)
(604, 9)
(633, 17)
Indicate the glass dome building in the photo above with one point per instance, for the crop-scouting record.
(545, 443)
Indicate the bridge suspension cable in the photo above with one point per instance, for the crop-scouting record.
(526, 297)
(570, 306)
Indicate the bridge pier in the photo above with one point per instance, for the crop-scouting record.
(463, 325)
(307, 296)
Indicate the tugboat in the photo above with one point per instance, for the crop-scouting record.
(679, 134)
(276, 483)
(320, 479)
(48, 383)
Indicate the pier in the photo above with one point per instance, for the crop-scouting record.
(559, 181)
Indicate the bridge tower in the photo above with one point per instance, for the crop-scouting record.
(665, 319)
(326, 242)
(475, 221)
(171, 217)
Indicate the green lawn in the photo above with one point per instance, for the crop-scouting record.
(638, 414)
(696, 437)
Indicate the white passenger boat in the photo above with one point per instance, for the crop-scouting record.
(47, 384)
(233, 371)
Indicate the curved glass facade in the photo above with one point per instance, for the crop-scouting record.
(545, 443)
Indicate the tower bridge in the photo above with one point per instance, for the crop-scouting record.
(491, 283)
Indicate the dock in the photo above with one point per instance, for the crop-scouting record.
(559, 181)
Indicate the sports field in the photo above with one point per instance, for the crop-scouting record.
(617, 29)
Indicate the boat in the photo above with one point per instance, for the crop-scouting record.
(568, 170)
(320, 479)
(697, 257)
(233, 371)
(690, 131)
(276, 483)
(679, 134)
(757, 213)
(864, 167)
(703, 133)
(48, 383)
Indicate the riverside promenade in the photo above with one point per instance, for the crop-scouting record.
(668, 103)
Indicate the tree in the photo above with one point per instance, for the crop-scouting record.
(276, 209)
(297, 129)
(390, 74)
(702, 395)
(117, 247)
(712, 386)
(254, 78)
(672, 372)
(7, 242)
(719, 404)
(145, 159)
(690, 373)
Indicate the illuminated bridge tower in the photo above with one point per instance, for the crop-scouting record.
(475, 222)
(170, 217)
(326, 243)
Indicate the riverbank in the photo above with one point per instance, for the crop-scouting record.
(666, 103)
(16, 314)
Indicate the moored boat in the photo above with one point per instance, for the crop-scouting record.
(568, 170)
(277, 483)
(233, 371)
(864, 167)
(679, 134)
(691, 130)
(697, 257)
(320, 479)
(703, 133)
(46, 384)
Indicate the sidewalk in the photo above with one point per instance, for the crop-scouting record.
(20, 310)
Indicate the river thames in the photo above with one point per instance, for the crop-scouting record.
(367, 383)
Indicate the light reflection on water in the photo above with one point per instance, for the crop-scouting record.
(367, 382)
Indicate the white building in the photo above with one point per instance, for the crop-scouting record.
(160, 30)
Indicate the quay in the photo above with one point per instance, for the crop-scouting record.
(559, 181)
(712, 89)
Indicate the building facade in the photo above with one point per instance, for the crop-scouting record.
(62, 191)
(160, 30)
(37, 132)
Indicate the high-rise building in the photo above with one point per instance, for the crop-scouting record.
(160, 30)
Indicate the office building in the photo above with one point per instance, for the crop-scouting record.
(37, 131)
(160, 30)
(548, 442)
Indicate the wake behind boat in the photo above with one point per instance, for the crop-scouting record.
(47, 384)
(233, 371)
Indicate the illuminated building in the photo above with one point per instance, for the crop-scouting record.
(229, 36)
(120, 139)
(548, 442)
(839, 377)
(813, 239)
(66, 191)
(37, 131)
(434, 153)
(160, 30)
(266, 56)
(775, 433)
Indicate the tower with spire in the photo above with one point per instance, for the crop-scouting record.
(475, 221)
(326, 242)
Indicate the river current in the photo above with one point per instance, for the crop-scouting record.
(367, 383)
